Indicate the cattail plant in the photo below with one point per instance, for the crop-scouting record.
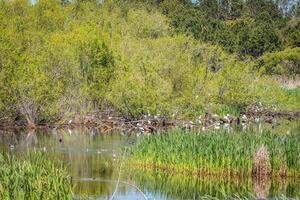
(221, 153)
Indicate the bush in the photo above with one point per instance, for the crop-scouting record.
(286, 63)
(62, 61)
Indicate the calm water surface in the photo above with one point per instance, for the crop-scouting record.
(92, 160)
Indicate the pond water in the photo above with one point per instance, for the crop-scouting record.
(92, 160)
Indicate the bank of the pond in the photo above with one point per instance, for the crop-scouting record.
(111, 122)
(220, 153)
(33, 176)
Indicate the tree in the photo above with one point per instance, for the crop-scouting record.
(256, 7)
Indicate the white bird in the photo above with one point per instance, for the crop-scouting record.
(11, 146)
(199, 121)
(244, 117)
(226, 126)
(217, 125)
(244, 126)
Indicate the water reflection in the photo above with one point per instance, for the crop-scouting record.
(180, 187)
(92, 160)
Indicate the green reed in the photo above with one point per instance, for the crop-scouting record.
(33, 176)
(217, 152)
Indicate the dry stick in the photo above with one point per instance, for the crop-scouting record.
(119, 176)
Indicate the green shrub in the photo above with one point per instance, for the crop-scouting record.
(285, 62)
(59, 61)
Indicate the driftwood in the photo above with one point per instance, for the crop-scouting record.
(151, 124)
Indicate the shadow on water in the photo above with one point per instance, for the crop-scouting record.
(92, 160)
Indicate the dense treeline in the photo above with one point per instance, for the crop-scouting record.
(60, 59)
(247, 28)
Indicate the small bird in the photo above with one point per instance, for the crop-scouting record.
(60, 140)
(11, 146)
(217, 125)
(244, 117)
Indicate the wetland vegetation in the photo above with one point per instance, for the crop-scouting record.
(93, 159)
(221, 153)
(63, 60)
(33, 176)
(177, 83)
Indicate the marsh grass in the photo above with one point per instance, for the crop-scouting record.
(293, 92)
(217, 153)
(34, 176)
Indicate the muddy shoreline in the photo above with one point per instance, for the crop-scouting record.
(151, 124)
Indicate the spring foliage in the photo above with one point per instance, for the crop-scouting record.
(61, 59)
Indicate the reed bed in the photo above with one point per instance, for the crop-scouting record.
(34, 176)
(218, 152)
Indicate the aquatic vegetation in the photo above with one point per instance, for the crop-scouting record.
(33, 176)
(218, 152)
(184, 187)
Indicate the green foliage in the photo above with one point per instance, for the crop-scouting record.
(294, 92)
(245, 27)
(61, 60)
(33, 177)
(256, 7)
(285, 62)
(292, 32)
(293, 97)
(217, 152)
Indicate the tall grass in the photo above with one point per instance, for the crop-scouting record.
(293, 92)
(216, 153)
(33, 177)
